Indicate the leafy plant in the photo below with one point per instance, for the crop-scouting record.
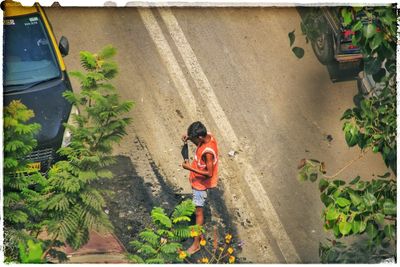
(364, 208)
(22, 186)
(31, 253)
(162, 243)
(73, 205)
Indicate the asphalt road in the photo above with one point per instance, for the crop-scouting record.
(233, 69)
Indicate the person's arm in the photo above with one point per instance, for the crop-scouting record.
(209, 166)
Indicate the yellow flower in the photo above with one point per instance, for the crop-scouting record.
(204, 260)
(203, 242)
(231, 259)
(230, 250)
(194, 233)
(228, 238)
(182, 254)
(221, 249)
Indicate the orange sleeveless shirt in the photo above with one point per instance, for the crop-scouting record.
(198, 181)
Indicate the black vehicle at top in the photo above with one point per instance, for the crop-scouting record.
(35, 74)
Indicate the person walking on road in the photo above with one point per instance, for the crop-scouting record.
(203, 171)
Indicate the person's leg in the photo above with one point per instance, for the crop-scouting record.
(199, 198)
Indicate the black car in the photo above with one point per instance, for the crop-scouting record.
(34, 73)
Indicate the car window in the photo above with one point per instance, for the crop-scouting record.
(28, 55)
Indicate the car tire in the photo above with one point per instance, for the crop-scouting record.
(323, 45)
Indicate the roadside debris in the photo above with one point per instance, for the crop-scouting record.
(232, 153)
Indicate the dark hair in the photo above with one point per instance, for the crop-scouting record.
(196, 129)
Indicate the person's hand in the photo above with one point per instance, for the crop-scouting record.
(185, 138)
(186, 165)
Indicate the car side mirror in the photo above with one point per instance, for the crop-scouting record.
(63, 46)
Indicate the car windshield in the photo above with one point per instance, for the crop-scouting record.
(28, 55)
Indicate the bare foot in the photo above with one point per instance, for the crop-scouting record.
(193, 249)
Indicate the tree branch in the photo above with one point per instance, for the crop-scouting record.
(362, 154)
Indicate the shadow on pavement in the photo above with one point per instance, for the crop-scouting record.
(130, 199)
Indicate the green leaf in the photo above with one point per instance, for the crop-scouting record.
(339, 182)
(356, 225)
(347, 16)
(369, 199)
(386, 175)
(343, 202)
(155, 261)
(299, 52)
(376, 41)
(336, 230)
(159, 215)
(181, 219)
(363, 226)
(292, 37)
(107, 52)
(171, 248)
(33, 254)
(323, 184)
(150, 237)
(302, 176)
(369, 31)
(345, 227)
(355, 180)
(358, 26)
(379, 218)
(313, 176)
(332, 214)
(372, 231)
(185, 208)
(326, 200)
(389, 208)
(355, 198)
(351, 135)
(390, 231)
(135, 259)
(347, 114)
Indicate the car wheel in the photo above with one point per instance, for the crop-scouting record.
(323, 46)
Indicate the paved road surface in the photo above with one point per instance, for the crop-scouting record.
(233, 69)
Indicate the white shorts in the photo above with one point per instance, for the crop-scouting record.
(199, 197)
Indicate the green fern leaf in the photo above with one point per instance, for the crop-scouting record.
(181, 219)
(16, 216)
(150, 237)
(185, 208)
(11, 198)
(147, 250)
(93, 199)
(171, 248)
(155, 261)
(182, 232)
(165, 233)
(135, 259)
(88, 60)
(136, 244)
(159, 215)
(104, 174)
(107, 52)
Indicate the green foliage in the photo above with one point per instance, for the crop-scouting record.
(31, 253)
(298, 51)
(22, 186)
(74, 207)
(162, 244)
(364, 208)
(358, 252)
